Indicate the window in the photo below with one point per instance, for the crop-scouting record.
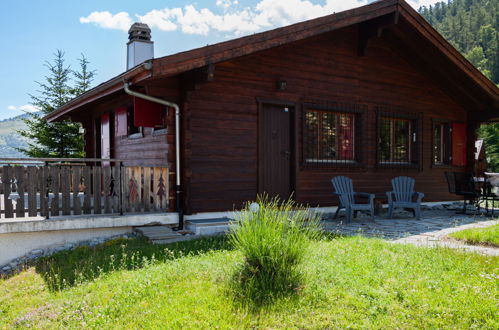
(441, 143)
(329, 137)
(448, 143)
(133, 131)
(398, 139)
(395, 140)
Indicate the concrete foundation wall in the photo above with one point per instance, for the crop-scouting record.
(15, 245)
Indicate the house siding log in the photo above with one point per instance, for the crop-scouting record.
(223, 126)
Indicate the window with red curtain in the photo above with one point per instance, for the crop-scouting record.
(147, 113)
(458, 144)
(329, 137)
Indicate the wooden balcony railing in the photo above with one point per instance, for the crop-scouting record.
(65, 187)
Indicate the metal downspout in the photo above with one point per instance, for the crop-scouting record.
(178, 190)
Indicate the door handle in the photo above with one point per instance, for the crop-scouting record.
(287, 154)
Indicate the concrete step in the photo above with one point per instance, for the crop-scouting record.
(211, 226)
(163, 234)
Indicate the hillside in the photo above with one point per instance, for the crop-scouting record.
(472, 27)
(9, 139)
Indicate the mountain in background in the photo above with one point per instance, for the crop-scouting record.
(9, 139)
(472, 27)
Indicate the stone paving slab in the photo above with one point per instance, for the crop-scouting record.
(431, 230)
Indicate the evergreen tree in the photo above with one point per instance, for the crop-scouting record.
(58, 139)
(468, 24)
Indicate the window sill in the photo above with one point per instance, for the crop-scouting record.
(441, 166)
(161, 131)
(135, 136)
(396, 165)
(332, 164)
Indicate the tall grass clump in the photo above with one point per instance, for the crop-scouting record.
(274, 241)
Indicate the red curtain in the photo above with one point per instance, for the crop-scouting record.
(120, 122)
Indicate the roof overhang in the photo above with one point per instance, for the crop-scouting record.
(179, 63)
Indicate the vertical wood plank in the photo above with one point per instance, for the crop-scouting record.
(31, 185)
(163, 188)
(65, 190)
(106, 171)
(54, 185)
(97, 177)
(147, 189)
(19, 172)
(44, 189)
(167, 189)
(116, 188)
(87, 190)
(126, 174)
(138, 180)
(156, 188)
(76, 190)
(6, 182)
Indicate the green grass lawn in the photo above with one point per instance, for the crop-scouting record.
(487, 235)
(350, 282)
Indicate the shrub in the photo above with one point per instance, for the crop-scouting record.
(273, 240)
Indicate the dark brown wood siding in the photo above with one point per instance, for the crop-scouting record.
(222, 129)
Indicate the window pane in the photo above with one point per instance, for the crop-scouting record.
(384, 140)
(401, 140)
(311, 135)
(328, 138)
(346, 136)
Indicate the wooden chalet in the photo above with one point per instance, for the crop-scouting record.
(370, 93)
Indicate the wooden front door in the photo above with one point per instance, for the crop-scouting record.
(275, 150)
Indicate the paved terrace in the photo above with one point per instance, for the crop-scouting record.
(431, 230)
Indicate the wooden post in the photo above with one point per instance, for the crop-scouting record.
(106, 171)
(76, 190)
(6, 180)
(54, 178)
(65, 189)
(20, 182)
(44, 191)
(33, 174)
(87, 191)
(97, 189)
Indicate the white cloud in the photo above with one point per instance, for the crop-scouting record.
(119, 21)
(226, 3)
(26, 108)
(234, 19)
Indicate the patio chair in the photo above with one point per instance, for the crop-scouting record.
(344, 191)
(403, 195)
(462, 184)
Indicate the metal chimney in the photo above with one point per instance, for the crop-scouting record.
(140, 48)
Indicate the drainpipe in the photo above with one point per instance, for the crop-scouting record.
(178, 190)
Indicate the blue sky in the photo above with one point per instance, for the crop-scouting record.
(33, 30)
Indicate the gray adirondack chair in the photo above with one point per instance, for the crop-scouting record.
(344, 191)
(403, 196)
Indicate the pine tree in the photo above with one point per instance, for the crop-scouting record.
(59, 139)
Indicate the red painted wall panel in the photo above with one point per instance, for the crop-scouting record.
(120, 122)
(458, 144)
